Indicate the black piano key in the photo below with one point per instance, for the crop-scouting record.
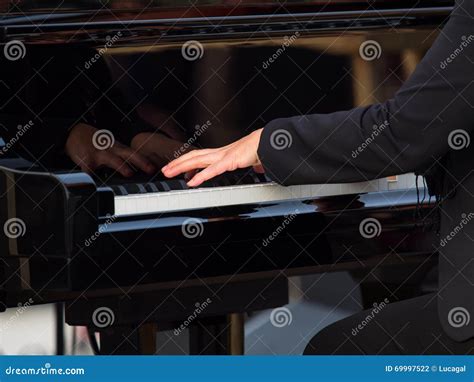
(255, 177)
(158, 186)
(132, 188)
(243, 179)
(151, 187)
(164, 186)
(119, 190)
(177, 184)
(141, 188)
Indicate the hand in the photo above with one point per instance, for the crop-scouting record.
(240, 154)
(81, 149)
(158, 148)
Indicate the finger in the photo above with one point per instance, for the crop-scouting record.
(209, 173)
(197, 162)
(113, 161)
(259, 169)
(186, 157)
(137, 159)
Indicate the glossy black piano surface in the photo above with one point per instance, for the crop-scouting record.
(120, 64)
(140, 21)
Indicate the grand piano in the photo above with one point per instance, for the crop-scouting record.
(131, 256)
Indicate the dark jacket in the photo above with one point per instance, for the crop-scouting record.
(428, 126)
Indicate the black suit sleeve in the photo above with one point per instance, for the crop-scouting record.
(401, 135)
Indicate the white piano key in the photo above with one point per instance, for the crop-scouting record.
(181, 200)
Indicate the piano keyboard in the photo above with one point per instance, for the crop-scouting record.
(164, 197)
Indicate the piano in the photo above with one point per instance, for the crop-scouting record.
(130, 256)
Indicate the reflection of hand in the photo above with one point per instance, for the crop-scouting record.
(240, 154)
(80, 148)
(158, 148)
